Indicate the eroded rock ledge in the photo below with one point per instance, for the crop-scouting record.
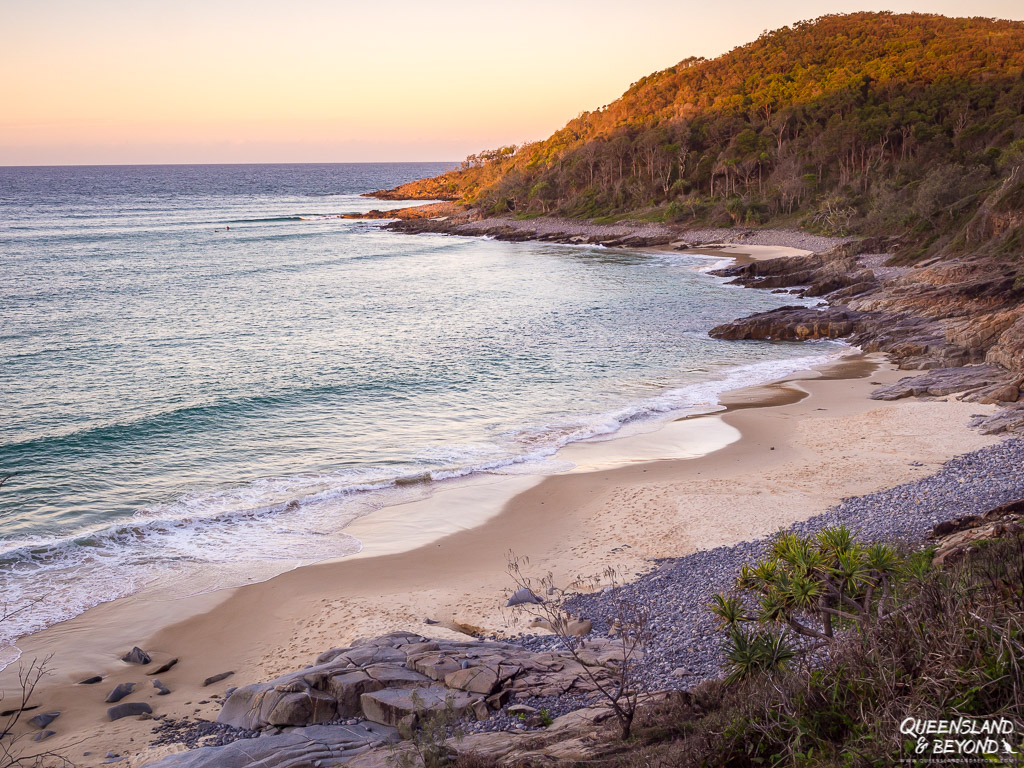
(944, 314)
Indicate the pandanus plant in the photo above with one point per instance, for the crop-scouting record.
(812, 586)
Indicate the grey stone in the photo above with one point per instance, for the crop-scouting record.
(390, 705)
(434, 665)
(307, 708)
(43, 735)
(217, 678)
(394, 676)
(346, 688)
(129, 708)
(91, 680)
(523, 596)
(43, 720)
(161, 689)
(136, 656)
(119, 692)
(482, 680)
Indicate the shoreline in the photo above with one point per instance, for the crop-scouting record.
(604, 519)
(464, 491)
(785, 451)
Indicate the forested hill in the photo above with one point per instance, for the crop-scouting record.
(870, 122)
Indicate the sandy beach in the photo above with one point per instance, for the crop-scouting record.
(783, 452)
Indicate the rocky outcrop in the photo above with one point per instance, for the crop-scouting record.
(953, 539)
(1009, 419)
(386, 678)
(978, 383)
(793, 323)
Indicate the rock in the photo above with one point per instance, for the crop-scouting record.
(346, 688)
(165, 667)
(481, 710)
(43, 735)
(119, 692)
(390, 705)
(467, 628)
(217, 678)
(792, 323)
(941, 382)
(482, 680)
(128, 709)
(331, 744)
(300, 709)
(434, 665)
(136, 656)
(523, 596)
(1009, 419)
(91, 680)
(499, 699)
(394, 676)
(43, 720)
(161, 689)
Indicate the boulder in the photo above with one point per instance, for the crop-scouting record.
(346, 689)
(374, 655)
(1008, 419)
(394, 676)
(434, 665)
(792, 323)
(161, 689)
(301, 709)
(43, 720)
(128, 709)
(523, 596)
(390, 705)
(136, 656)
(43, 735)
(940, 382)
(91, 680)
(482, 680)
(119, 692)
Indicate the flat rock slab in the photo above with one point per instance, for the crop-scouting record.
(392, 704)
(301, 747)
(943, 381)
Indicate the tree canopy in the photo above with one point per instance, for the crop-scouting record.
(873, 122)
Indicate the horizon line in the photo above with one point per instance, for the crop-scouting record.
(159, 165)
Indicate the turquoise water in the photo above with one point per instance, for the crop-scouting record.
(206, 377)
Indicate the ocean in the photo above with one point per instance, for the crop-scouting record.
(206, 375)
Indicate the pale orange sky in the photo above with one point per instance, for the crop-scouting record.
(148, 81)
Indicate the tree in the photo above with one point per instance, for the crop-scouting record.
(630, 622)
(806, 588)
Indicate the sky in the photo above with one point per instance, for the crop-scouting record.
(238, 81)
